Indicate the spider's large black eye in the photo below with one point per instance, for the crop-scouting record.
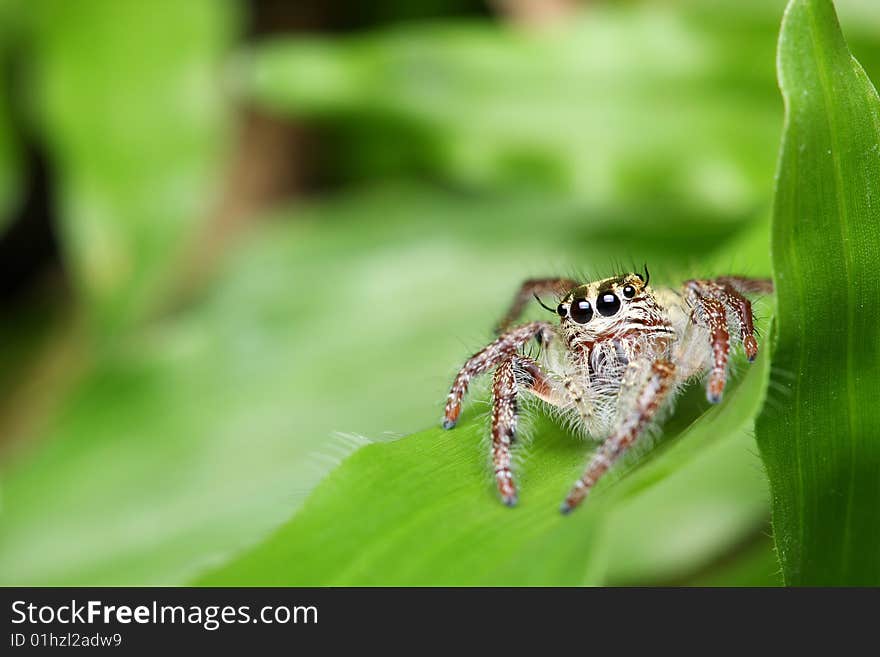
(581, 311)
(629, 291)
(607, 304)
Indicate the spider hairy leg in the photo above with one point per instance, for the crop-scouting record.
(648, 402)
(503, 348)
(736, 287)
(538, 384)
(717, 301)
(575, 394)
(743, 309)
(716, 317)
(504, 417)
(531, 287)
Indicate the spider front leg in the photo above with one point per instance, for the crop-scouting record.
(503, 355)
(734, 289)
(648, 401)
(715, 316)
(505, 390)
(504, 416)
(715, 302)
(502, 349)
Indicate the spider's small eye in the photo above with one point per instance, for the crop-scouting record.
(607, 304)
(561, 310)
(581, 311)
(629, 291)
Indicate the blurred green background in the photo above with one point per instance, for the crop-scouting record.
(239, 241)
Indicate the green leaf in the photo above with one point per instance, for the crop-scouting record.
(127, 97)
(191, 440)
(422, 510)
(820, 440)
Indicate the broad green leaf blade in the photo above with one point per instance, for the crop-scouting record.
(128, 99)
(196, 438)
(193, 439)
(422, 510)
(821, 441)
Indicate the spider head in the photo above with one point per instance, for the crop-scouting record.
(605, 307)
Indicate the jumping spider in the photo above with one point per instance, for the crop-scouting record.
(617, 357)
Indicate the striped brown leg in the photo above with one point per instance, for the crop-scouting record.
(535, 381)
(734, 288)
(648, 402)
(504, 418)
(743, 309)
(713, 312)
(503, 348)
(532, 287)
(521, 372)
(714, 299)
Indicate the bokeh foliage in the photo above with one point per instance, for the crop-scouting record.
(650, 100)
(128, 100)
(10, 165)
(466, 156)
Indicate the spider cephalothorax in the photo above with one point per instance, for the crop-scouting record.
(617, 356)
